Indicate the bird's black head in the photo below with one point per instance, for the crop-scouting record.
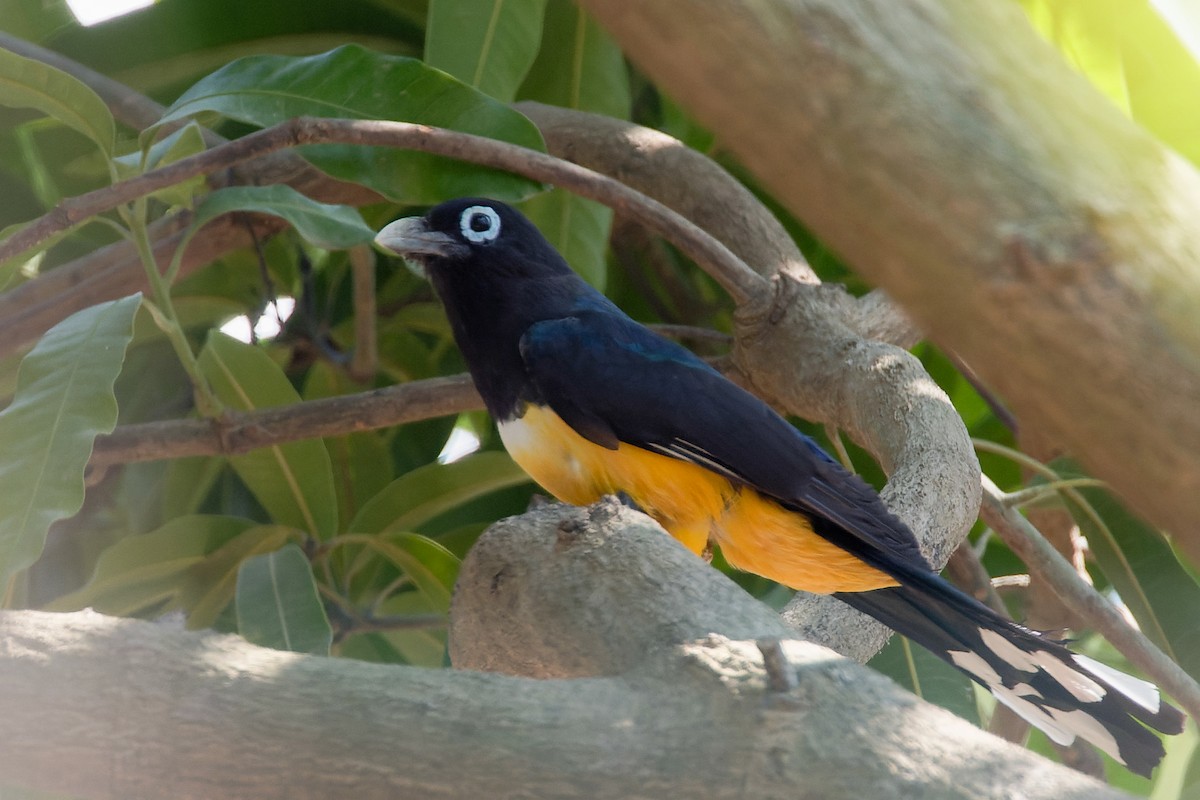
(473, 239)
(496, 275)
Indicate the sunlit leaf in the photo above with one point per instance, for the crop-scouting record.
(487, 44)
(278, 606)
(422, 494)
(26, 83)
(293, 481)
(356, 83)
(1131, 54)
(63, 401)
(1178, 776)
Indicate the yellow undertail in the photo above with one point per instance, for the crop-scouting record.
(694, 504)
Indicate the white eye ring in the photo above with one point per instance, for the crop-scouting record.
(470, 217)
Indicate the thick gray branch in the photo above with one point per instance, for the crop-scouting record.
(101, 707)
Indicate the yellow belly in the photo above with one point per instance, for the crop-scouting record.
(694, 504)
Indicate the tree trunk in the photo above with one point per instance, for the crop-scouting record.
(950, 155)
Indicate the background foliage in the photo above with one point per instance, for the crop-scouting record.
(350, 545)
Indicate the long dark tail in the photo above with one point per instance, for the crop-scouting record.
(1064, 694)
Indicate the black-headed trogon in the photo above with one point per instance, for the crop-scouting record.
(591, 403)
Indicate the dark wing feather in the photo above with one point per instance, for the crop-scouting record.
(613, 380)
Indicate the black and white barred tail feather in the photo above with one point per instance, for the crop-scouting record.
(1062, 693)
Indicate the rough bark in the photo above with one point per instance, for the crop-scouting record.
(950, 155)
(102, 707)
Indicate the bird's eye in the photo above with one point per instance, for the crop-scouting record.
(479, 224)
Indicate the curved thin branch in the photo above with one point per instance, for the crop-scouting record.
(1041, 557)
(735, 277)
(654, 163)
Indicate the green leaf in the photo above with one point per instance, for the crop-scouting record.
(422, 494)
(1130, 53)
(209, 585)
(1140, 564)
(927, 676)
(421, 648)
(26, 83)
(578, 67)
(9, 267)
(188, 482)
(362, 464)
(577, 228)
(356, 83)
(1178, 777)
(278, 606)
(431, 567)
(330, 227)
(35, 20)
(487, 44)
(64, 400)
(293, 481)
(187, 141)
(140, 572)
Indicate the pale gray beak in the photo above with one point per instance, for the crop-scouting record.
(411, 238)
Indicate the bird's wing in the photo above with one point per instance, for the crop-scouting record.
(613, 381)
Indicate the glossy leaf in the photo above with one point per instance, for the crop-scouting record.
(578, 67)
(356, 83)
(26, 83)
(293, 481)
(140, 572)
(487, 44)
(331, 227)
(63, 401)
(278, 606)
(422, 494)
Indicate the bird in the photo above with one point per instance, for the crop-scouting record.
(592, 403)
